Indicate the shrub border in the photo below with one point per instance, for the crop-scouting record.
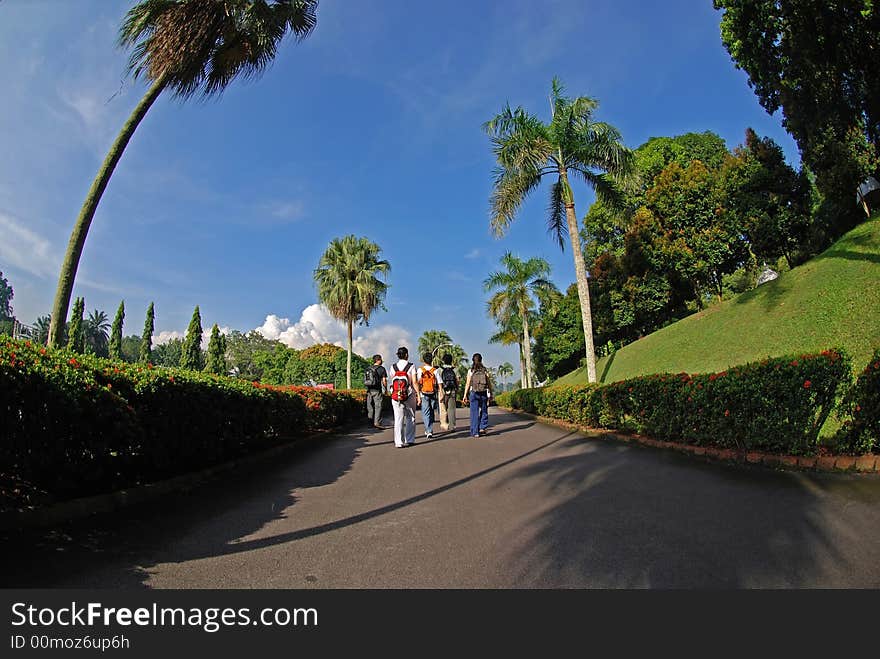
(851, 464)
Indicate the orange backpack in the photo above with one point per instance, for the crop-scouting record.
(428, 381)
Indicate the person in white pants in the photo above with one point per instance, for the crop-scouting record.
(405, 411)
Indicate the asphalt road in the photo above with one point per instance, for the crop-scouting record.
(528, 506)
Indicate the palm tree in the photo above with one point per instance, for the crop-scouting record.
(348, 286)
(96, 332)
(515, 288)
(41, 329)
(189, 47)
(439, 343)
(509, 333)
(571, 144)
(505, 370)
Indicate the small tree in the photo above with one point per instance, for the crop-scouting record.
(191, 357)
(115, 346)
(146, 352)
(216, 352)
(75, 339)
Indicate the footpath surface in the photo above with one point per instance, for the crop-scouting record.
(528, 506)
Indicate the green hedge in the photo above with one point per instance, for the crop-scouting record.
(73, 425)
(776, 406)
(860, 411)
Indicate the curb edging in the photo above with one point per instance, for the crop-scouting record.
(841, 464)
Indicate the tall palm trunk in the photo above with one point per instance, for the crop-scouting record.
(348, 361)
(527, 346)
(522, 367)
(87, 212)
(580, 270)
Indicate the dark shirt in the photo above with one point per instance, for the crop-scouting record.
(381, 374)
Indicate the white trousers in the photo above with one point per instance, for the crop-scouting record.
(404, 421)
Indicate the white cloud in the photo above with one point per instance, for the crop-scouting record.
(474, 253)
(167, 335)
(316, 325)
(289, 211)
(24, 249)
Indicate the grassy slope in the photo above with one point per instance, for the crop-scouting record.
(832, 300)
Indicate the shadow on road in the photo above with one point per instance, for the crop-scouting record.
(211, 517)
(633, 517)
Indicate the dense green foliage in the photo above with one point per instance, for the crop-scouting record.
(832, 299)
(817, 61)
(861, 411)
(73, 425)
(777, 405)
(191, 354)
(145, 353)
(6, 295)
(557, 346)
(216, 362)
(115, 345)
(75, 340)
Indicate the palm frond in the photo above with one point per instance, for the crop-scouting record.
(557, 225)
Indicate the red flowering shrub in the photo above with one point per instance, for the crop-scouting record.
(777, 405)
(73, 425)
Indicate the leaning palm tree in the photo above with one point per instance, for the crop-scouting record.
(189, 47)
(515, 288)
(572, 144)
(41, 329)
(348, 284)
(96, 332)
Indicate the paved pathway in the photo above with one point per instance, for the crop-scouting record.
(528, 506)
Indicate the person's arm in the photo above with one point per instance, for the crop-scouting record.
(467, 384)
(415, 385)
(385, 382)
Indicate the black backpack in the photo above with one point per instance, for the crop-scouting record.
(371, 378)
(450, 380)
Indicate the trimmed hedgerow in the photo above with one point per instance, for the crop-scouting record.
(776, 406)
(860, 411)
(73, 425)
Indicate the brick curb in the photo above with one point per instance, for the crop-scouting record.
(862, 464)
(74, 509)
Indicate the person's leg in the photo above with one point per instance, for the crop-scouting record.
(441, 400)
(410, 413)
(450, 413)
(399, 439)
(484, 412)
(428, 415)
(475, 419)
(377, 407)
(369, 401)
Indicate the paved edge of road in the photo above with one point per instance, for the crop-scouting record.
(74, 509)
(851, 464)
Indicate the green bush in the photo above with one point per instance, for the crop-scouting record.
(73, 425)
(777, 405)
(860, 412)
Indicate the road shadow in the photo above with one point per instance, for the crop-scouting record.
(634, 517)
(212, 517)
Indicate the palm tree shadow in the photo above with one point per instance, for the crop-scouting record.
(634, 517)
(131, 541)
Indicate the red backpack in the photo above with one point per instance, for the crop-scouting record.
(400, 386)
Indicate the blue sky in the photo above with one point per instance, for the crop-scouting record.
(372, 126)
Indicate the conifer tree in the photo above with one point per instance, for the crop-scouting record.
(115, 346)
(75, 339)
(191, 357)
(146, 351)
(216, 352)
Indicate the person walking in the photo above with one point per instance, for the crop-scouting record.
(405, 397)
(448, 394)
(376, 382)
(429, 388)
(479, 387)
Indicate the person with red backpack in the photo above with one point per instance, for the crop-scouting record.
(404, 398)
(429, 387)
(479, 384)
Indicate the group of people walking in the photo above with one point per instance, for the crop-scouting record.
(433, 389)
